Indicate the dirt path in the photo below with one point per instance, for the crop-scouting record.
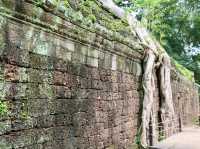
(188, 139)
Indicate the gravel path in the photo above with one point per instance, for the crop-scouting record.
(188, 139)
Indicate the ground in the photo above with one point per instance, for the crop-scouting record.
(188, 139)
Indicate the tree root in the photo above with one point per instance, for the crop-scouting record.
(153, 51)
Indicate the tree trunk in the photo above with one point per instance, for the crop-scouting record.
(167, 107)
(149, 87)
(112, 7)
(165, 86)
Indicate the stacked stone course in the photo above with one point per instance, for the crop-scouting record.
(67, 89)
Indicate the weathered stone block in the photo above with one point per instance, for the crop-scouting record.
(42, 45)
(62, 119)
(5, 127)
(92, 61)
(137, 69)
(58, 78)
(114, 62)
(32, 91)
(13, 90)
(120, 63)
(96, 84)
(64, 106)
(107, 61)
(16, 56)
(38, 107)
(68, 44)
(5, 142)
(21, 124)
(84, 50)
(94, 73)
(62, 92)
(77, 57)
(46, 91)
(41, 62)
(93, 53)
(44, 121)
(15, 74)
(101, 55)
(61, 65)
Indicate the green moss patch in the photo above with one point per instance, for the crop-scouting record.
(3, 108)
(183, 71)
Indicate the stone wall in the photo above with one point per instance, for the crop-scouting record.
(68, 87)
(186, 99)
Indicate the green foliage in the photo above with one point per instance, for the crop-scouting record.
(195, 121)
(24, 115)
(88, 8)
(39, 2)
(138, 138)
(161, 136)
(3, 108)
(182, 70)
(175, 24)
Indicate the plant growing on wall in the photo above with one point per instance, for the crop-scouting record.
(3, 108)
(154, 57)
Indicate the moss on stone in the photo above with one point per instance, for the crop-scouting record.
(3, 108)
(88, 13)
(75, 26)
(24, 115)
(7, 3)
(183, 71)
(5, 145)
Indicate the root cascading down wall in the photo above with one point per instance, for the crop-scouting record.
(67, 87)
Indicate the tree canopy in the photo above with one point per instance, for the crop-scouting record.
(175, 24)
